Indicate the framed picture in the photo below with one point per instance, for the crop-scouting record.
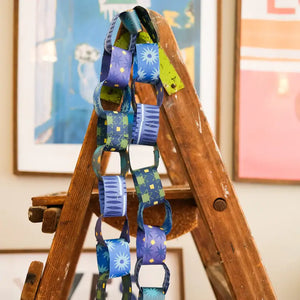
(58, 49)
(14, 267)
(267, 99)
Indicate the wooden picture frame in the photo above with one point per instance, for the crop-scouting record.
(15, 263)
(33, 153)
(267, 94)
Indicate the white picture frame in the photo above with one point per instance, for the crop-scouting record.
(60, 158)
(15, 263)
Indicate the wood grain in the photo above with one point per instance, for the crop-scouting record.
(209, 181)
(185, 212)
(65, 250)
(50, 219)
(35, 213)
(32, 280)
(165, 143)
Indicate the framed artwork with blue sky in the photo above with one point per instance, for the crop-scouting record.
(59, 50)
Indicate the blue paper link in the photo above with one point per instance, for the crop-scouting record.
(131, 21)
(151, 245)
(119, 255)
(113, 131)
(114, 257)
(97, 157)
(108, 43)
(116, 67)
(167, 224)
(148, 186)
(98, 233)
(151, 293)
(159, 93)
(113, 196)
(125, 106)
(166, 281)
(147, 22)
(145, 124)
(146, 63)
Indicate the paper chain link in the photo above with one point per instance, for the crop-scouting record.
(116, 130)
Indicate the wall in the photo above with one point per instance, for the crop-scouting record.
(271, 210)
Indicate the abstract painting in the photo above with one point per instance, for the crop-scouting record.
(268, 92)
(59, 67)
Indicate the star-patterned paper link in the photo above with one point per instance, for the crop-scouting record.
(146, 63)
(151, 245)
(151, 293)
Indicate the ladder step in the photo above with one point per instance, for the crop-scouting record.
(185, 215)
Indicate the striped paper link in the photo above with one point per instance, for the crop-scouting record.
(107, 41)
(145, 124)
(113, 196)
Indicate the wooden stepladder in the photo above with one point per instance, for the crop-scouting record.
(209, 206)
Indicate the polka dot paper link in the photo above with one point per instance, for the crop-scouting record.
(151, 245)
(115, 132)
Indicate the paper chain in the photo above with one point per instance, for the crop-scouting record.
(115, 132)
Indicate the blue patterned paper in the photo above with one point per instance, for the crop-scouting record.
(131, 21)
(146, 63)
(115, 70)
(166, 282)
(167, 224)
(97, 157)
(119, 257)
(151, 293)
(145, 124)
(113, 131)
(114, 257)
(148, 186)
(151, 245)
(113, 196)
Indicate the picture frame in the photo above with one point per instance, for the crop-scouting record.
(47, 139)
(15, 263)
(267, 94)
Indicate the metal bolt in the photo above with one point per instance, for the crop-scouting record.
(220, 204)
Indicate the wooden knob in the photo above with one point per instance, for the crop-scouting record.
(220, 204)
